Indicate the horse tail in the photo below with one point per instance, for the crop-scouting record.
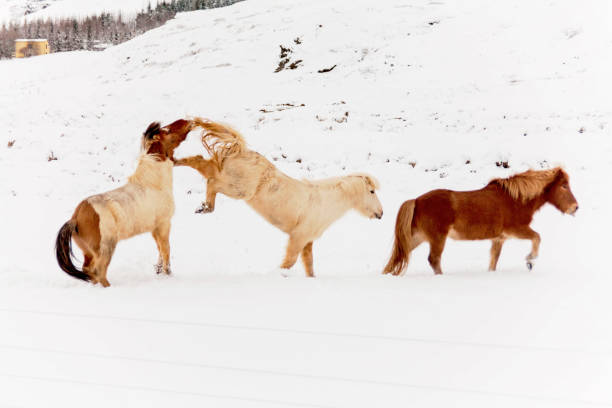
(402, 246)
(63, 251)
(220, 141)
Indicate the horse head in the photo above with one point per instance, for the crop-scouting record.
(162, 141)
(560, 194)
(366, 200)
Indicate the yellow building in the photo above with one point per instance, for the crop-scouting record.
(30, 47)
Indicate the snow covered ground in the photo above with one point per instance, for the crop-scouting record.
(436, 94)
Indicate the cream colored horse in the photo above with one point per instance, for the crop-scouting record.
(144, 204)
(302, 209)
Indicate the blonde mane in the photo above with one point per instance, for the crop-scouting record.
(220, 141)
(528, 185)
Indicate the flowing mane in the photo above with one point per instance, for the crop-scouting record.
(220, 141)
(529, 184)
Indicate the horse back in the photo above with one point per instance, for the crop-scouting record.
(470, 215)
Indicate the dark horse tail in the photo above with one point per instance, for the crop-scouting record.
(63, 251)
(402, 246)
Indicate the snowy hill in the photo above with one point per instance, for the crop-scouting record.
(15, 9)
(423, 95)
(42, 9)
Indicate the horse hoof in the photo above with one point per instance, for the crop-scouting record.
(203, 209)
(286, 272)
(529, 265)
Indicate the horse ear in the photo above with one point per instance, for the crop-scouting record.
(153, 130)
(561, 174)
(372, 182)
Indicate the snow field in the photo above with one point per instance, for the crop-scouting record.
(436, 94)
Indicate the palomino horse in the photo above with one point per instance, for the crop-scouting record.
(503, 209)
(144, 204)
(302, 209)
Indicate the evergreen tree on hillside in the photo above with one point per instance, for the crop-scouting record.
(72, 34)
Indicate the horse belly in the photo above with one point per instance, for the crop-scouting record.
(474, 225)
(282, 216)
(128, 221)
(474, 232)
(280, 200)
(131, 212)
(156, 208)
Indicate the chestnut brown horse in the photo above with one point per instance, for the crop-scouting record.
(501, 210)
(144, 204)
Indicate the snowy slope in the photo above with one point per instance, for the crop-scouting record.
(42, 9)
(15, 9)
(436, 94)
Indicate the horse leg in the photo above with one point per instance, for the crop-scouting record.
(496, 248)
(307, 259)
(208, 206)
(294, 247)
(208, 170)
(205, 167)
(89, 266)
(436, 246)
(90, 256)
(106, 253)
(161, 234)
(527, 233)
(211, 195)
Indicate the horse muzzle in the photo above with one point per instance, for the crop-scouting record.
(572, 211)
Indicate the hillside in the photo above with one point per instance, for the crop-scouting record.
(11, 10)
(422, 95)
(14, 9)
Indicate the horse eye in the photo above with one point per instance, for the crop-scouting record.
(372, 191)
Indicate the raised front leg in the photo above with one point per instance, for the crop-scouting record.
(208, 206)
(496, 248)
(294, 247)
(206, 168)
(527, 233)
(161, 234)
(307, 259)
